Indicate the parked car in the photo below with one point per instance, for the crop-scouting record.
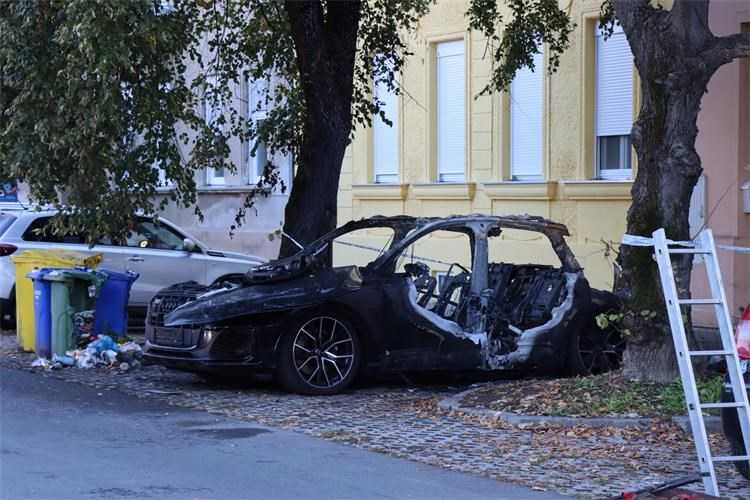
(317, 327)
(160, 252)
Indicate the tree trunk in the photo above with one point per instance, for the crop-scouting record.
(676, 55)
(326, 44)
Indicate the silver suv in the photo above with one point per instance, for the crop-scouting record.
(163, 254)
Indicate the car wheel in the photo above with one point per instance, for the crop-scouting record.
(8, 316)
(595, 351)
(319, 355)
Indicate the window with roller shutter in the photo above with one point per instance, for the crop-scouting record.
(526, 122)
(614, 105)
(212, 111)
(451, 111)
(385, 144)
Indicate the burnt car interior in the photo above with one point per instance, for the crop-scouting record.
(517, 297)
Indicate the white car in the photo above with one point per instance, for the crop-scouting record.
(163, 254)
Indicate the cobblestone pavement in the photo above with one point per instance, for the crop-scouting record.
(404, 421)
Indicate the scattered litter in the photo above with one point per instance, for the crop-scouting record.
(41, 363)
(109, 356)
(83, 326)
(64, 360)
(104, 343)
(86, 359)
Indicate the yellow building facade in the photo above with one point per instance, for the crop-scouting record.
(567, 187)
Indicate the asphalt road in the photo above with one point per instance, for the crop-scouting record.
(60, 440)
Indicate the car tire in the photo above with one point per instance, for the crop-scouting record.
(319, 354)
(730, 425)
(8, 314)
(593, 351)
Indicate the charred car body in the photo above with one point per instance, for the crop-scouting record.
(318, 326)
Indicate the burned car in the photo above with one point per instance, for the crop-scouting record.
(316, 327)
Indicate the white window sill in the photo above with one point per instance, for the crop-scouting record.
(380, 191)
(596, 190)
(521, 190)
(444, 191)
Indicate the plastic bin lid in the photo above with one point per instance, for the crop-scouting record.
(56, 258)
(37, 274)
(88, 275)
(116, 275)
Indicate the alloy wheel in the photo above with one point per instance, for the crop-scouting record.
(323, 352)
(601, 351)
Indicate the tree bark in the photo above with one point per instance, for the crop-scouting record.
(676, 56)
(326, 45)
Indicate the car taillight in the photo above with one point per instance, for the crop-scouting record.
(743, 335)
(7, 249)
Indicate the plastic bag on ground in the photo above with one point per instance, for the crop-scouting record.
(104, 343)
(86, 359)
(41, 363)
(130, 347)
(109, 356)
(63, 360)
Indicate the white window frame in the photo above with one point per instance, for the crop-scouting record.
(214, 176)
(385, 163)
(450, 173)
(257, 111)
(622, 131)
(520, 112)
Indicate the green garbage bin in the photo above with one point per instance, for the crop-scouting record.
(71, 291)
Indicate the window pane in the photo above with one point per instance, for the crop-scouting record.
(385, 137)
(609, 152)
(149, 235)
(259, 160)
(614, 85)
(526, 118)
(362, 246)
(438, 250)
(450, 111)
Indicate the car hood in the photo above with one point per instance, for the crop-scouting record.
(253, 259)
(218, 305)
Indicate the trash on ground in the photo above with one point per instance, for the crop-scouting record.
(41, 363)
(101, 351)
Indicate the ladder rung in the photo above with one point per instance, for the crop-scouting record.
(722, 405)
(690, 250)
(731, 458)
(711, 353)
(688, 302)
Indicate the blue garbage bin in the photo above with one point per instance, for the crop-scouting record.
(42, 317)
(111, 317)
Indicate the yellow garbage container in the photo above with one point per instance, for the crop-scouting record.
(26, 262)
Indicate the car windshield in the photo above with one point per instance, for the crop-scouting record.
(6, 220)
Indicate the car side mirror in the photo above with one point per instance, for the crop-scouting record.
(188, 245)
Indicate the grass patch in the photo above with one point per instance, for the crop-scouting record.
(608, 394)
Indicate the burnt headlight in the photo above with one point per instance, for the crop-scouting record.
(210, 333)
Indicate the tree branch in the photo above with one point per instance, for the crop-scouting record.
(630, 11)
(306, 21)
(691, 17)
(725, 49)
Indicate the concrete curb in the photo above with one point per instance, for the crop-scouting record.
(453, 404)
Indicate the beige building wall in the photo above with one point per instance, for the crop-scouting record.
(594, 210)
(724, 146)
(220, 203)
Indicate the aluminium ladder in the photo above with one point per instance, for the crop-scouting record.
(703, 245)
